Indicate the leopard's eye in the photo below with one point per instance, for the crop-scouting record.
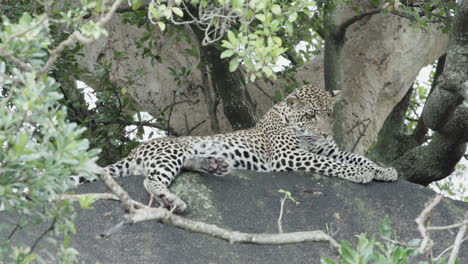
(310, 116)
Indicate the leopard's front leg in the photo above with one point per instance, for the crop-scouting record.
(160, 172)
(331, 150)
(303, 160)
(381, 174)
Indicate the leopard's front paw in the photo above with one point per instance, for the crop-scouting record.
(172, 202)
(386, 174)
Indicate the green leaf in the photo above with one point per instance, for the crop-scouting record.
(277, 40)
(193, 52)
(233, 64)
(227, 44)
(232, 37)
(274, 24)
(249, 63)
(167, 13)
(86, 202)
(237, 3)
(347, 252)
(137, 4)
(260, 17)
(177, 11)
(29, 258)
(161, 25)
(386, 228)
(327, 261)
(292, 17)
(276, 9)
(227, 53)
(66, 241)
(278, 95)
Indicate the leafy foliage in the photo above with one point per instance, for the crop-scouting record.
(40, 147)
(377, 252)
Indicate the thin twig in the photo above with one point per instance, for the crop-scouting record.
(17, 226)
(458, 241)
(399, 243)
(11, 37)
(465, 222)
(448, 249)
(7, 77)
(97, 196)
(422, 222)
(280, 217)
(76, 35)
(41, 236)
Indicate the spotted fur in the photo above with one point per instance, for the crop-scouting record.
(293, 135)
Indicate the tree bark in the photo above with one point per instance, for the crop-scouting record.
(444, 113)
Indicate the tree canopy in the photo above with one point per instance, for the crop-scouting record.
(209, 66)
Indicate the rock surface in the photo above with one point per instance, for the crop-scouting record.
(250, 202)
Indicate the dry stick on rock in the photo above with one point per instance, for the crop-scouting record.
(168, 218)
(422, 222)
(423, 226)
(458, 241)
(280, 217)
(447, 250)
(165, 216)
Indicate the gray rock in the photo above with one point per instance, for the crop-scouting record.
(250, 202)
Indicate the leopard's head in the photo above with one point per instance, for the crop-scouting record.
(309, 112)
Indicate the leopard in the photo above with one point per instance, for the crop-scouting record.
(294, 135)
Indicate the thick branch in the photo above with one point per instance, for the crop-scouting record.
(167, 217)
(113, 186)
(340, 32)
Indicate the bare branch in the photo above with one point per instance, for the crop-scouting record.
(42, 235)
(362, 131)
(448, 226)
(7, 77)
(398, 243)
(97, 196)
(167, 217)
(76, 35)
(113, 186)
(17, 226)
(23, 65)
(458, 241)
(11, 37)
(448, 249)
(422, 222)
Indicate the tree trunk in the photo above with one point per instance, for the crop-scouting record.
(381, 58)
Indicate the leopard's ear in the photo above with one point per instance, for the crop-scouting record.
(335, 96)
(335, 93)
(294, 102)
